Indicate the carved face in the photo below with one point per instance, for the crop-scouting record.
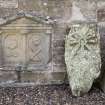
(82, 57)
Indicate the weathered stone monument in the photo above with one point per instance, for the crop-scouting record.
(82, 56)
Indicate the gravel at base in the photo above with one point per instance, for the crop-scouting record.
(48, 95)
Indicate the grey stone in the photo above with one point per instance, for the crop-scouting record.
(42, 77)
(8, 77)
(82, 56)
(101, 4)
(101, 15)
(23, 42)
(88, 8)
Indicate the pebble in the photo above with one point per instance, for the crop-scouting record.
(48, 95)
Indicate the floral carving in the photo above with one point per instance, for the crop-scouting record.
(82, 57)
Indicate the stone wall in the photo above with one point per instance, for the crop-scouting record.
(57, 14)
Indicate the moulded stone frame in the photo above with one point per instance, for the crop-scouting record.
(33, 17)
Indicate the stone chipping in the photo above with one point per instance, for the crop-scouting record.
(48, 95)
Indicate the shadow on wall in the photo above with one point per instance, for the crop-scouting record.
(102, 48)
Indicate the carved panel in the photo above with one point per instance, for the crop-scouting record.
(82, 56)
(88, 8)
(25, 42)
(13, 48)
(34, 48)
(37, 48)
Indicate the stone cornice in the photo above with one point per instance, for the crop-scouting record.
(30, 15)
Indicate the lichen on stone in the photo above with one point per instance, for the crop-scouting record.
(82, 56)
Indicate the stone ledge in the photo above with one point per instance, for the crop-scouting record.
(32, 78)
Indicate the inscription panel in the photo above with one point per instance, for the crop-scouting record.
(25, 44)
(37, 49)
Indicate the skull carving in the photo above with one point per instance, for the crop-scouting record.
(82, 56)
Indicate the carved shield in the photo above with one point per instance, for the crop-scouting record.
(82, 56)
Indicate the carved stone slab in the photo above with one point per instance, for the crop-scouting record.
(82, 56)
(25, 42)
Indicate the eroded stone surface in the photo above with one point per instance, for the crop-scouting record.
(88, 9)
(82, 57)
(23, 43)
(101, 15)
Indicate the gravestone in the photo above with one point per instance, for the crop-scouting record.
(82, 56)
